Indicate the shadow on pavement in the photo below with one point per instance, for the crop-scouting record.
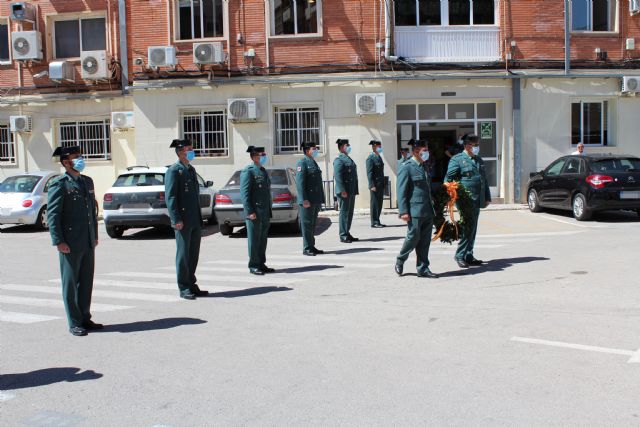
(307, 268)
(352, 251)
(151, 325)
(250, 292)
(493, 265)
(22, 229)
(45, 377)
(382, 239)
(162, 233)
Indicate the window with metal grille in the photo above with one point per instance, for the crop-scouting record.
(93, 137)
(7, 146)
(294, 125)
(207, 131)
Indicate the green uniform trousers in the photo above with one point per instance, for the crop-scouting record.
(468, 238)
(376, 205)
(346, 215)
(257, 232)
(187, 254)
(418, 238)
(77, 285)
(308, 219)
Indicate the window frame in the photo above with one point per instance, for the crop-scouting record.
(8, 61)
(444, 17)
(201, 110)
(270, 12)
(51, 32)
(616, 21)
(604, 142)
(13, 146)
(176, 24)
(106, 155)
(298, 106)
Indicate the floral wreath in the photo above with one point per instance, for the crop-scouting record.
(445, 200)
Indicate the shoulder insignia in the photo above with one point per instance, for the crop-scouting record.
(299, 168)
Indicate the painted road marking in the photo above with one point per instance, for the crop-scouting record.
(568, 222)
(635, 355)
(25, 318)
(95, 293)
(328, 272)
(151, 285)
(41, 302)
(218, 278)
(534, 234)
(303, 262)
(4, 396)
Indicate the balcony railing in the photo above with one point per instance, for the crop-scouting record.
(448, 44)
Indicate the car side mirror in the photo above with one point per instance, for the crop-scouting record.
(208, 184)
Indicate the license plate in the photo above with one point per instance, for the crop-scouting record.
(624, 195)
(136, 206)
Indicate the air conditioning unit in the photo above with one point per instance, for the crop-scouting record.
(20, 123)
(60, 71)
(208, 53)
(242, 109)
(162, 56)
(94, 65)
(122, 120)
(634, 7)
(26, 45)
(21, 11)
(631, 84)
(370, 103)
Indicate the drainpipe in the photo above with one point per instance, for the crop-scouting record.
(517, 139)
(567, 38)
(387, 31)
(124, 52)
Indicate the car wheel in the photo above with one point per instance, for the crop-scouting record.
(580, 211)
(41, 221)
(226, 229)
(532, 200)
(114, 232)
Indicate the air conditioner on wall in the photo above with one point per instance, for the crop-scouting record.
(242, 109)
(94, 65)
(60, 71)
(208, 53)
(370, 103)
(634, 7)
(631, 84)
(122, 120)
(26, 45)
(20, 123)
(162, 56)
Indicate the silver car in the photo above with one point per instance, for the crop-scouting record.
(23, 198)
(229, 210)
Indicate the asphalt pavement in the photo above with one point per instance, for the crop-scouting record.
(546, 333)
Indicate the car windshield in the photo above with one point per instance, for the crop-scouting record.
(19, 184)
(616, 165)
(139, 180)
(278, 177)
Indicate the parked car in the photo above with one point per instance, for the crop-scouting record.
(23, 198)
(137, 200)
(229, 210)
(587, 184)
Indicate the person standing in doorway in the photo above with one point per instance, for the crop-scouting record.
(346, 188)
(375, 176)
(579, 150)
(310, 196)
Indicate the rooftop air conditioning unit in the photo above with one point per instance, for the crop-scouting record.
(631, 84)
(162, 56)
(370, 103)
(20, 123)
(60, 71)
(21, 11)
(122, 119)
(242, 109)
(634, 7)
(208, 53)
(94, 65)
(26, 45)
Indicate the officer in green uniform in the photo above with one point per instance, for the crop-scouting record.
(404, 156)
(346, 188)
(415, 207)
(310, 196)
(183, 203)
(255, 191)
(468, 168)
(73, 225)
(375, 176)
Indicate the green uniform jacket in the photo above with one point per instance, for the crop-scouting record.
(255, 190)
(345, 175)
(182, 193)
(71, 212)
(401, 161)
(471, 174)
(309, 181)
(414, 191)
(375, 171)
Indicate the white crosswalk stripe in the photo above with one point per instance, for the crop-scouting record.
(149, 285)
(95, 293)
(306, 261)
(55, 303)
(317, 272)
(26, 318)
(216, 279)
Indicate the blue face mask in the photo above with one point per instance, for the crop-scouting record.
(348, 149)
(379, 150)
(314, 153)
(475, 150)
(191, 155)
(78, 163)
(424, 155)
(263, 160)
